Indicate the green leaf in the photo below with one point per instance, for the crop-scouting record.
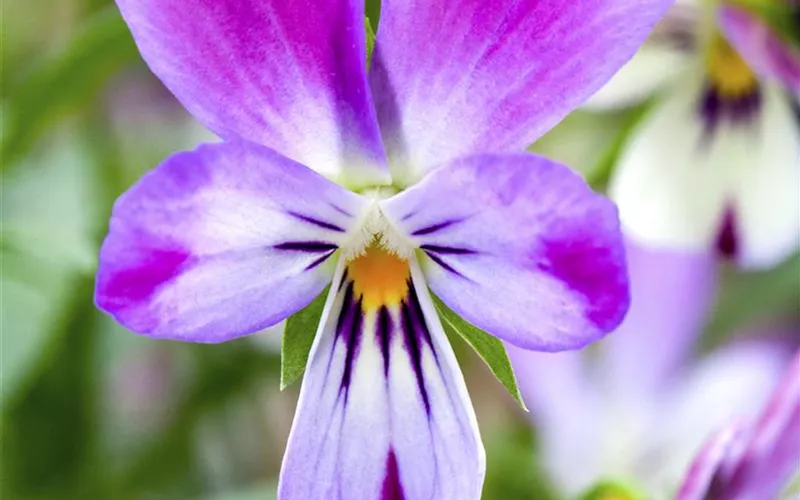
(489, 348)
(298, 335)
(65, 83)
(370, 39)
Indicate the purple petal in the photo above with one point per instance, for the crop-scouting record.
(772, 454)
(455, 77)
(220, 242)
(531, 254)
(768, 54)
(290, 75)
(383, 412)
(712, 459)
(672, 293)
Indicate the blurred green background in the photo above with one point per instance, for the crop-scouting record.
(90, 410)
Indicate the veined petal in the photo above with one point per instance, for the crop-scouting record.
(290, 75)
(383, 412)
(769, 55)
(520, 247)
(453, 77)
(745, 170)
(220, 242)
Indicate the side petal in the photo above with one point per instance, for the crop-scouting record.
(290, 75)
(771, 454)
(220, 242)
(455, 77)
(770, 56)
(383, 411)
(672, 294)
(520, 247)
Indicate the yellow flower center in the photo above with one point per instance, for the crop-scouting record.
(379, 277)
(729, 74)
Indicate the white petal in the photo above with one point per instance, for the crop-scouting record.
(383, 409)
(767, 191)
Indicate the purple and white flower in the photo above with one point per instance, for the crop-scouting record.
(752, 460)
(637, 407)
(715, 163)
(383, 184)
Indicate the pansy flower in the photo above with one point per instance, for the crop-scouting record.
(385, 185)
(715, 161)
(751, 460)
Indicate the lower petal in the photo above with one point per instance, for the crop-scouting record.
(221, 242)
(383, 412)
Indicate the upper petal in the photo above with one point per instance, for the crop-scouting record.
(383, 411)
(769, 55)
(221, 242)
(455, 77)
(290, 75)
(520, 247)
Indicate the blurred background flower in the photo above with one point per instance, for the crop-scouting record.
(90, 410)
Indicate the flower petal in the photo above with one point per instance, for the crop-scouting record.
(221, 242)
(453, 77)
(672, 297)
(679, 200)
(712, 457)
(520, 247)
(290, 75)
(383, 411)
(768, 54)
(771, 454)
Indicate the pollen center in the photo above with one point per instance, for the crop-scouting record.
(379, 277)
(728, 73)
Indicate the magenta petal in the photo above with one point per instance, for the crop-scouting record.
(519, 246)
(221, 242)
(768, 54)
(383, 412)
(455, 77)
(290, 75)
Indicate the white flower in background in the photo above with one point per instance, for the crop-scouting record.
(716, 161)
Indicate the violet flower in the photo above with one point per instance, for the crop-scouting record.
(381, 184)
(751, 460)
(637, 406)
(715, 163)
